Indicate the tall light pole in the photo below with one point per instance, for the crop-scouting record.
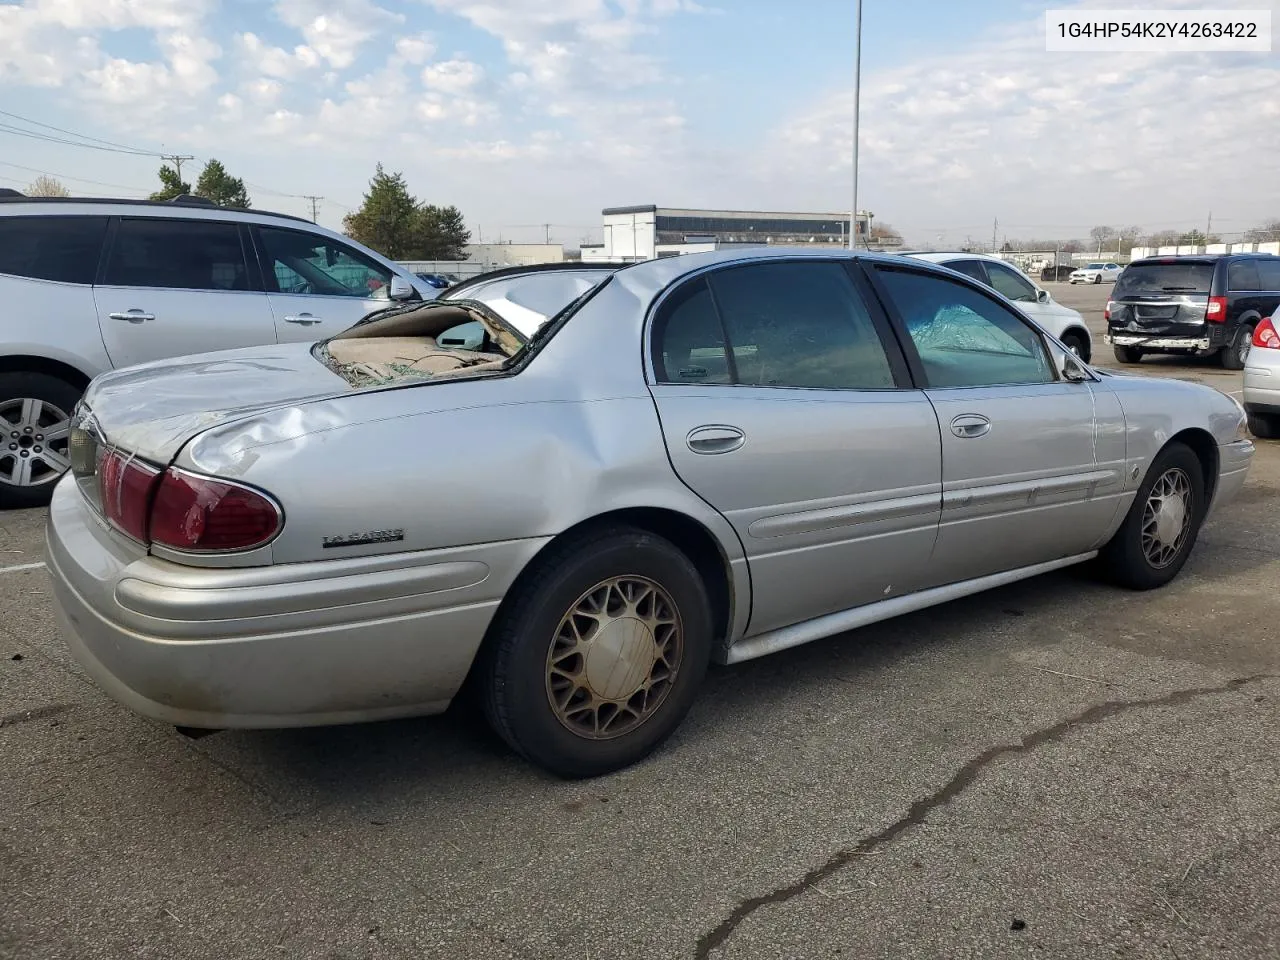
(857, 92)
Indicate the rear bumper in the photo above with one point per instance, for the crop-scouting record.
(288, 645)
(1262, 388)
(1147, 342)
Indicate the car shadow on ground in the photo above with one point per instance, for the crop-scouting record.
(456, 753)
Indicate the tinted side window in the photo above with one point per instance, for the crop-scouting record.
(65, 249)
(177, 254)
(1242, 275)
(299, 262)
(688, 341)
(1011, 283)
(965, 339)
(800, 325)
(1269, 275)
(970, 268)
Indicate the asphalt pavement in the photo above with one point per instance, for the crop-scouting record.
(1055, 769)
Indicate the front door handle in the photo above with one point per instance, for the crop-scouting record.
(970, 425)
(715, 438)
(132, 315)
(305, 319)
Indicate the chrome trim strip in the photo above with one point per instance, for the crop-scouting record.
(833, 623)
(828, 518)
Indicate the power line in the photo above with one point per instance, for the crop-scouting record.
(64, 176)
(82, 136)
(315, 202)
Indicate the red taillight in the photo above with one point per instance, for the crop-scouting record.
(1265, 336)
(1106, 311)
(124, 487)
(196, 513)
(1216, 311)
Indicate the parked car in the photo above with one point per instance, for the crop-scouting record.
(1060, 271)
(1262, 381)
(1095, 273)
(1036, 302)
(706, 457)
(91, 285)
(1193, 305)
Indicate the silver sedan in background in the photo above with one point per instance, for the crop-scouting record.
(702, 458)
(1262, 380)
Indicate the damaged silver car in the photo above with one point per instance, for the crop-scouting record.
(575, 490)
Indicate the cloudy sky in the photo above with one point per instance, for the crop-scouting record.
(525, 112)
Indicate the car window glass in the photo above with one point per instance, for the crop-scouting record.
(65, 249)
(1011, 283)
(177, 254)
(800, 325)
(300, 262)
(1269, 275)
(965, 339)
(1242, 275)
(1163, 278)
(688, 341)
(970, 268)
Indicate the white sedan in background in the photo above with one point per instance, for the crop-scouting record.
(1096, 273)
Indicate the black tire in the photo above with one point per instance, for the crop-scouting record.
(1097, 278)
(1234, 354)
(50, 390)
(515, 686)
(1128, 354)
(1123, 561)
(1077, 344)
(1264, 426)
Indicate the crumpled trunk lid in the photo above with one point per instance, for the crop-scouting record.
(153, 409)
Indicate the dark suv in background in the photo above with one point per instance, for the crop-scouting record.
(1197, 305)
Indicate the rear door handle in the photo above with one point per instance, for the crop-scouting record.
(305, 319)
(715, 438)
(970, 425)
(132, 315)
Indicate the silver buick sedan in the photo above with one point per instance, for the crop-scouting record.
(702, 458)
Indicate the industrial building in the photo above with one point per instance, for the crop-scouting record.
(648, 232)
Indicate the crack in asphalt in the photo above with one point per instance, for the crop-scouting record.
(961, 781)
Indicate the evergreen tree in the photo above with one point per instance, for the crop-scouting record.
(219, 186)
(172, 185)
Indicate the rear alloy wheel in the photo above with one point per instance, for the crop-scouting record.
(1264, 426)
(35, 430)
(1128, 354)
(1162, 524)
(597, 655)
(1235, 353)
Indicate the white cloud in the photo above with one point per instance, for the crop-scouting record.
(263, 90)
(276, 61)
(416, 49)
(452, 76)
(336, 29)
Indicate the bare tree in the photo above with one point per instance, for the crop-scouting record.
(46, 186)
(1269, 231)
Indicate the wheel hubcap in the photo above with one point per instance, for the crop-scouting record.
(1166, 517)
(614, 657)
(34, 435)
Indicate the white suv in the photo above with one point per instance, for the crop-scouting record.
(87, 286)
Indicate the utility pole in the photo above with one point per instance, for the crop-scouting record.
(315, 201)
(547, 228)
(995, 226)
(857, 95)
(1208, 227)
(177, 161)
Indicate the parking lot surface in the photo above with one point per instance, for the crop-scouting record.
(1055, 768)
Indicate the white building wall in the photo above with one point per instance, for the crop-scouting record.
(630, 236)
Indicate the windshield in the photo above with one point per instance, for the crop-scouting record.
(1164, 279)
(1094, 266)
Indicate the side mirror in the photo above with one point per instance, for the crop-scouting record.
(401, 289)
(1073, 370)
(1042, 296)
